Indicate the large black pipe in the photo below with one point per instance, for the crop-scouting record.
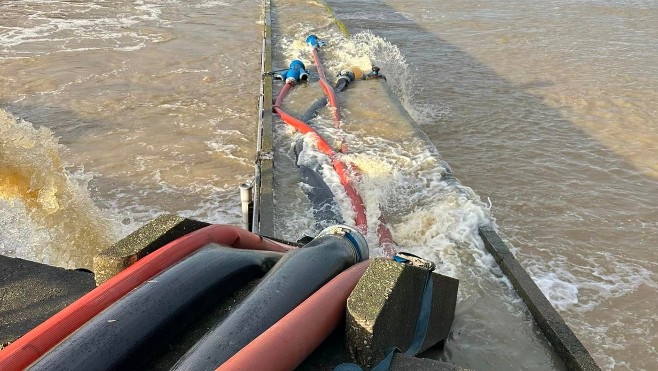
(126, 333)
(325, 209)
(293, 279)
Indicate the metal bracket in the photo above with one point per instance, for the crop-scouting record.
(260, 156)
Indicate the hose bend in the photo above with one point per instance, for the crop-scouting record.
(292, 280)
(302, 330)
(323, 146)
(42, 338)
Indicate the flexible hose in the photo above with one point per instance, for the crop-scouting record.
(126, 334)
(302, 330)
(325, 210)
(357, 203)
(38, 341)
(328, 90)
(341, 84)
(292, 280)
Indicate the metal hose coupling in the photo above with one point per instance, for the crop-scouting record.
(346, 75)
(353, 236)
(374, 74)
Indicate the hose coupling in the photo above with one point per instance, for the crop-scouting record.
(374, 74)
(346, 75)
(353, 236)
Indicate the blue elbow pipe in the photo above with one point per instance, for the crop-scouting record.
(314, 42)
(296, 72)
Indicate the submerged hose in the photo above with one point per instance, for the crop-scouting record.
(293, 279)
(323, 146)
(37, 342)
(126, 334)
(325, 209)
(302, 330)
(341, 85)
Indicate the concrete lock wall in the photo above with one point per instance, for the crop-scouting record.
(148, 238)
(382, 310)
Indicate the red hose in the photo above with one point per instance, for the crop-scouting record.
(357, 202)
(42, 338)
(288, 342)
(328, 90)
(383, 233)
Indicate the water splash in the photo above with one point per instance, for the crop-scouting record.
(46, 207)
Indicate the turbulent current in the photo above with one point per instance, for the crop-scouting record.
(112, 113)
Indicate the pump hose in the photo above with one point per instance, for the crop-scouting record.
(339, 167)
(328, 90)
(302, 330)
(292, 280)
(341, 85)
(21, 353)
(127, 334)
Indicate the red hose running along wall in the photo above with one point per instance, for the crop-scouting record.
(384, 234)
(301, 331)
(37, 342)
(341, 169)
(328, 90)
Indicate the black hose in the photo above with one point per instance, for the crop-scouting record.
(313, 110)
(325, 209)
(320, 103)
(125, 334)
(293, 279)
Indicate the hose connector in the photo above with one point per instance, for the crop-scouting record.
(353, 236)
(346, 75)
(314, 42)
(374, 74)
(295, 73)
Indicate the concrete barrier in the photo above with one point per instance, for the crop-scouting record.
(143, 241)
(404, 362)
(572, 352)
(32, 292)
(383, 308)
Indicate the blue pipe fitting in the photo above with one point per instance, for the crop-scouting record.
(295, 73)
(314, 42)
(353, 236)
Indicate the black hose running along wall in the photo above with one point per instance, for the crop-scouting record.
(125, 334)
(294, 278)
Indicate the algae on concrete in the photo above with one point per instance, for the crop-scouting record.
(382, 310)
(143, 241)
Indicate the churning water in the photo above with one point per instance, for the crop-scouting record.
(115, 112)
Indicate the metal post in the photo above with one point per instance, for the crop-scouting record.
(246, 199)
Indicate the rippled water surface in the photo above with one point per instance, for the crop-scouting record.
(119, 111)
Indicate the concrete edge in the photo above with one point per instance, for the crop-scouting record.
(143, 241)
(572, 352)
(263, 221)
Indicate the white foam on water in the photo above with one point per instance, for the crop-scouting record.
(43, 195)
(585, 288)
(80, 27)
(431, 217)
(212, 3)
